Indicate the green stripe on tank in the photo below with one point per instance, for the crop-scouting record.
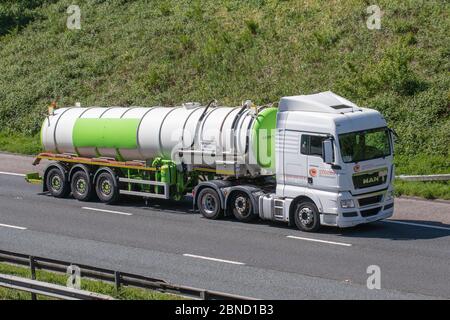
(105, 133)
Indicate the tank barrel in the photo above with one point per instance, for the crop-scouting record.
(139, 133)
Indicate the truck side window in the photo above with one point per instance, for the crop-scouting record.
(304, 145)
(311, 145)
(315, 148)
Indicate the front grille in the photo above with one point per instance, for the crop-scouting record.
(370, 200)
(366, 180)
(349, 214)
(388, 206)
(370, 212)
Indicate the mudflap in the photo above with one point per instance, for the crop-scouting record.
(33, 178)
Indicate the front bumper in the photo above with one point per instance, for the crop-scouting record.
(341, 221)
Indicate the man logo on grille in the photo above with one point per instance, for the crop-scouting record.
(371, 180)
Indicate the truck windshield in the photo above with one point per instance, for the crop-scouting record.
(365, 145)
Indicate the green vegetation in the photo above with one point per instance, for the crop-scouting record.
(15, 14)
(429, 190)
(148, 52)
(124, 293)
(19, 143)
(423, 165)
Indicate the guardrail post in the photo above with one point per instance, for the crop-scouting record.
(117, 280)
(33, 275)
(204, 295)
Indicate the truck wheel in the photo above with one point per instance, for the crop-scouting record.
(106, 189)
(81, 187)
(209, 204)
(57, 183)
(307, 217)
(242, 207)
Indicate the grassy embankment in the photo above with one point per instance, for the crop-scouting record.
(167, 52)
(89, 285)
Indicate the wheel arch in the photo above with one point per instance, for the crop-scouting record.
(217, 185)
(249, 190)
(294, 204)
(81, 167)
(63, 168)
(108, 170)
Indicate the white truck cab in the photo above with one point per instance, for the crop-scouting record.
(333, 159)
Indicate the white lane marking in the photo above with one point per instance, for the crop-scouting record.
(321, 241)
(12, 174)
(418, 225)
(212, 259)
(108, 211)
(10, 226)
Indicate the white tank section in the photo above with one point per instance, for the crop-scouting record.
(190, 131)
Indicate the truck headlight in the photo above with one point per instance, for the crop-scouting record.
(347, 204)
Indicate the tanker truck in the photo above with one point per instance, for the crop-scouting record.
(315, 160)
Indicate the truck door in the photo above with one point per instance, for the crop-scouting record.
(320, 174)
(295, 164)
(313, 148)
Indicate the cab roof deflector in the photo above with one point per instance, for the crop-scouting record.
(326, 102)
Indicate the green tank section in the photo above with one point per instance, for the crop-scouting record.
(263, 135)
(106, 133)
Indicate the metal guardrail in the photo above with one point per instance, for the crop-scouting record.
(430, 177)
(117, 277)
(48, 289)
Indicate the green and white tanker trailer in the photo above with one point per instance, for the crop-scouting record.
(315, 160)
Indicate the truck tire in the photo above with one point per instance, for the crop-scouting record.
(242, 207)
(57, 183)
(81, 186)
(106, 188)
(209, 204)
(307, 217)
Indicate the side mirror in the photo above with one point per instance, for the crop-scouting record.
(327, 151)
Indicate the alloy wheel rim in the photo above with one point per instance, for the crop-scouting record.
(105, 187)
(306, 216)
(241, 205)
(56, 182)
(81, 186)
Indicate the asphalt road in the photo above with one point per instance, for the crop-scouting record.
(262, 260)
